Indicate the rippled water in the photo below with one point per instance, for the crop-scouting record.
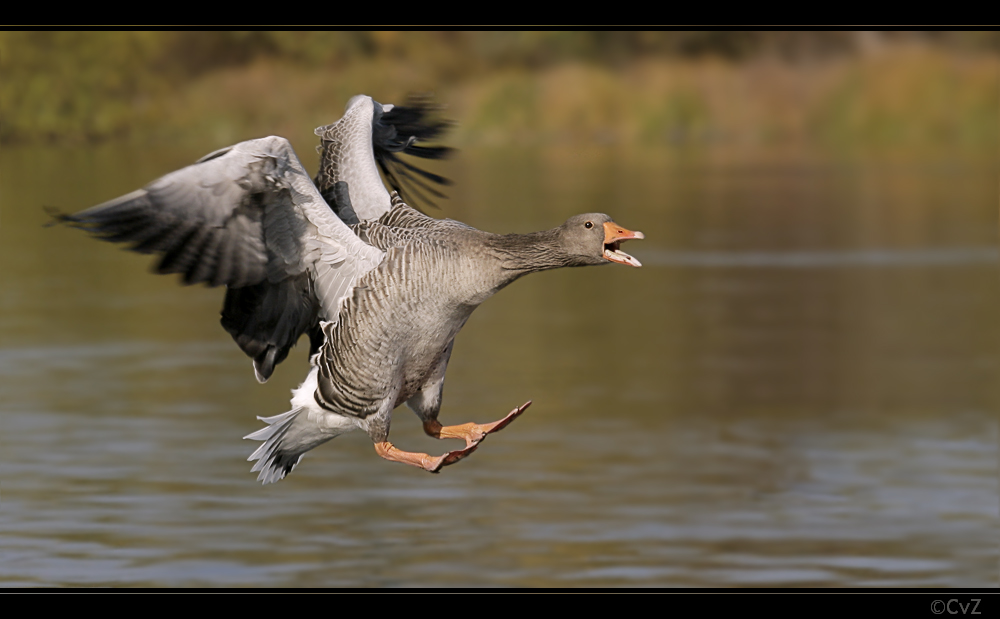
(798, 388)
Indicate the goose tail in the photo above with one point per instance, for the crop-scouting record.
(273, 460)
(288, 436)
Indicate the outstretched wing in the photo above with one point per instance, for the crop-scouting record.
(247, 217)
(367, 138)
(399, 130)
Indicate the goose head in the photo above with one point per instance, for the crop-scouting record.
(594, 238)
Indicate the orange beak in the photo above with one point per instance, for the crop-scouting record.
(613, 236)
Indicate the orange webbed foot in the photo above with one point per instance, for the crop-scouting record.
(473, 433)
(427, 462)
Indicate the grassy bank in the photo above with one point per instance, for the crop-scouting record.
(130, 86)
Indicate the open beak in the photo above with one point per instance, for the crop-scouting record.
(613, 237)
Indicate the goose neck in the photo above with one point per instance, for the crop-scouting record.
(520, 254)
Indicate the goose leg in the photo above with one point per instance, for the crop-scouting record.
(426, 403)
(473, 433)
(429, 463)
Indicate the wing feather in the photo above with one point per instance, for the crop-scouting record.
(249, 218)
(386, 130)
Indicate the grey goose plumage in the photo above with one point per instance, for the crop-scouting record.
(382, 299)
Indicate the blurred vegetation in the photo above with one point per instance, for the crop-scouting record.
(637, 87)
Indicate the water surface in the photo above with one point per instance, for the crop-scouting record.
(798, 388)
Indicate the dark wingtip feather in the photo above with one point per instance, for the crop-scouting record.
(416, 118)
(56, 217)
(264, 364)
(84, 220)
(402, 128)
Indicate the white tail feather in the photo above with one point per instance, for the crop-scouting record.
(272, 461)
(288, 436)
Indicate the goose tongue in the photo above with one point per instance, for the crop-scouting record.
(613, 237)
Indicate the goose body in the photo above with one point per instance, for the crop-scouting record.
(380, 288)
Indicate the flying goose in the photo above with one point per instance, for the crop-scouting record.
(380, 288)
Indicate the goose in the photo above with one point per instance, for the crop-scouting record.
(380, 288)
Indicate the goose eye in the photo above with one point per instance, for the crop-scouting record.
(588, 225)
